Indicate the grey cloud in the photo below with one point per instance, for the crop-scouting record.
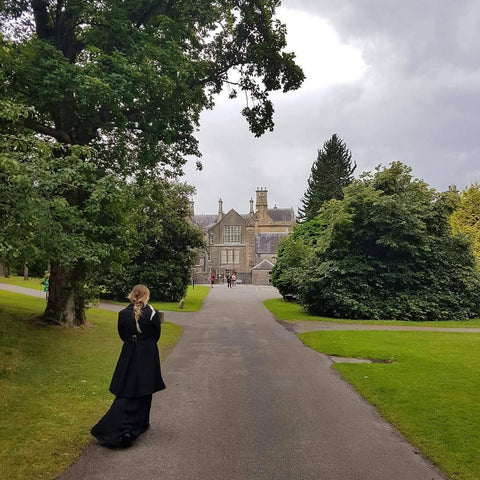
(425, 31)
(418, 103)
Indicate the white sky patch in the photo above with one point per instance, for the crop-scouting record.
(325, 60)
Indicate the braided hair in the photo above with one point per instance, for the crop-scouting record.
(139, 296)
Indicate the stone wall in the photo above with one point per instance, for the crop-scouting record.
(261, 277)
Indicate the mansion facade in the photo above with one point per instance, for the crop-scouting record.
(246, 244)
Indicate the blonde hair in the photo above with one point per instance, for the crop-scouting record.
(139, 296)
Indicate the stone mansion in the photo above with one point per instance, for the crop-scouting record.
(246, 244)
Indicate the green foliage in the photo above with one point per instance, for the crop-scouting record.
(429, 391)
(294, 254)
(465, 219)
(58, 204)
(163, 244)
(331, 172)
(387, 252)
(131, 78)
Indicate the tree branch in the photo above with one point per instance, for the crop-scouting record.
(60, 135)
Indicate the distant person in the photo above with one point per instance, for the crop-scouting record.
(137, 374)
(46, 284)
(229, 281)
(212, 279)
(234, 279)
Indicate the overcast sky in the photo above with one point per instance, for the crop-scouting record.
(395, 80)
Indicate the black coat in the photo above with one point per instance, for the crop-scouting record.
(138, 368)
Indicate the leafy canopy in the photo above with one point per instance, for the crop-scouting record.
(131, 78)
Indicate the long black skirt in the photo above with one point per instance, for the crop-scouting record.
(125, 420)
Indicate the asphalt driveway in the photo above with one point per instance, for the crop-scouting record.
(246, 400)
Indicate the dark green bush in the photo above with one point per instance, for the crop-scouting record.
(387, 251)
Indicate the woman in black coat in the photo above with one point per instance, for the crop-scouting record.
(137, 374)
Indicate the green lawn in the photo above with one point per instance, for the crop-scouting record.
(291, 311)
(53, 385)
(430, 391)
(35, 283)
(193, 299)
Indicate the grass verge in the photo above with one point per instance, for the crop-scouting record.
(290, 311)
(193, 301)
(53, 385)
(429, 391)
(35, 283)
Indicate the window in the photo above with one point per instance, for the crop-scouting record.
(211, 238)
(232, 234)
(230, 256)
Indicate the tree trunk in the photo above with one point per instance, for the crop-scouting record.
(25, 271)
(4, 270)
(66, 297)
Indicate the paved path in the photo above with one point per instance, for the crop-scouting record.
(24, 291)
(246, 400)
(297, 327)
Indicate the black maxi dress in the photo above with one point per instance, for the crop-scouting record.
(137, 376)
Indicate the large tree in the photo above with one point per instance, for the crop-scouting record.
(331, 172)
(129, 80)
(39, 180)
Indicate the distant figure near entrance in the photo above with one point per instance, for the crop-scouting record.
(137, 375)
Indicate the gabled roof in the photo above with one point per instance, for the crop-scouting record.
(205, 221)
(281, 214)
(263, 265)
(233, 213)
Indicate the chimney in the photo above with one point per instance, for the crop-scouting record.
(262, 204)
(251, 207)
(220, 210)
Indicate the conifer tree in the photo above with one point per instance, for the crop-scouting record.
(331, 172)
